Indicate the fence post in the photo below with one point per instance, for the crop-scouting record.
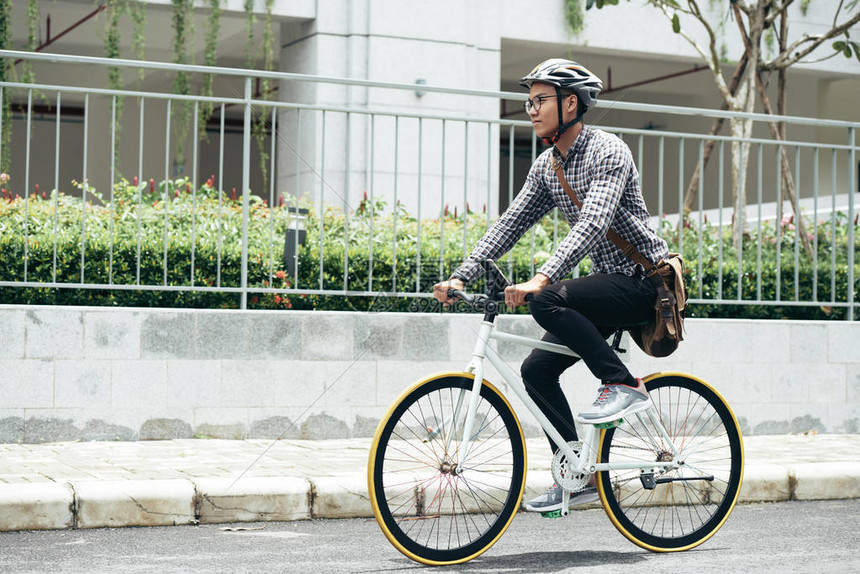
(246, 184)
(852, 171)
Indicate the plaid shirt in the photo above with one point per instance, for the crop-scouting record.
(600, 169)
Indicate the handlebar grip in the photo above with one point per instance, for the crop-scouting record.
(530, 297)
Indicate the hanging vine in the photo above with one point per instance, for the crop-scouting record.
(250, 20)
(183, 35)
(6, 72)
(137, 10)
(213, 27)
(29, 77)
(115, 9)
(260, 122)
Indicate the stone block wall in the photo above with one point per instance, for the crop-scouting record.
(77, 373)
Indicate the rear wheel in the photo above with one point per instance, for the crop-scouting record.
(679, 509)
(433, 506)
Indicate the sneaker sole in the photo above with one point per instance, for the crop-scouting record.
(553, 508)
(585, 499)
(632, 409)
(581, 501)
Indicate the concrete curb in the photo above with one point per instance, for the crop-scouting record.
(95, 504)
(134, 503)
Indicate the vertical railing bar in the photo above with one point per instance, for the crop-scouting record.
(778, 222)
(396, 206)
(273, 139)
(721, 200)
(112, 184)
(346, 208)
(681, 195)
(639, 163)
(140, 185)
(166, 186)
(660, 208)
(816, 158)
(700, 192)
(84, 188)
(194, 176)
(372, 204)
(418, 231)
(442, 208)
(297, 212)
(465, 187)
(246, 189)
(220, 199)
(322, 198)
(760, 182)
(532, 234)
(27, 184)
(56, 192)
(852, 178)
(743, 186)
(797, 224)
(511, 192)
(489, 172)
(833, 227)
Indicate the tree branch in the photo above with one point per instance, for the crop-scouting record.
(784, 61)
(776, 11)
(710, 56)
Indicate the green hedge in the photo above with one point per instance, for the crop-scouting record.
(206, 225)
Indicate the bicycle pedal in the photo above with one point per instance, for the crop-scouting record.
(552, 514)
(610, 425)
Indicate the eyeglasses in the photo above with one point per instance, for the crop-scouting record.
(535, 102)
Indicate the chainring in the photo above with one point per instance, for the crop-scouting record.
(562, 471)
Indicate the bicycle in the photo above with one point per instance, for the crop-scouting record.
(446, 471)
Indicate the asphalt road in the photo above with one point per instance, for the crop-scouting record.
(781, 537)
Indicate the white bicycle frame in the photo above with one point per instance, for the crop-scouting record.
(586, 461)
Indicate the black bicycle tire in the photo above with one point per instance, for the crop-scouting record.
(390, 524)
(608, 492)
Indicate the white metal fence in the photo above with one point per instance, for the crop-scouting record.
(426, 164)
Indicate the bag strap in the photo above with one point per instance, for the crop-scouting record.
(626, 248)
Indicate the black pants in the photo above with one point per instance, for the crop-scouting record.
(580, 314)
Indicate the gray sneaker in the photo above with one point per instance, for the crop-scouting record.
(614, 402)
(550, 500)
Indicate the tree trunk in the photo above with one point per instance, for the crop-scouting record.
(742, 129)
(693, 187)
(777, 132)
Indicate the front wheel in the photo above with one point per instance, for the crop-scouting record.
(434, 506)
(674, 510)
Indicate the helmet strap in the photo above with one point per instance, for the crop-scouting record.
(562, 127)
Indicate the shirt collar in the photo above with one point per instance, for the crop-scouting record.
(578, 145)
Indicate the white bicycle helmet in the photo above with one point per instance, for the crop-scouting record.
(569, 76)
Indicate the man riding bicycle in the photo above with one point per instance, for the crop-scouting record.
(579, 313)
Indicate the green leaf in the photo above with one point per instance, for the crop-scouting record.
(676, 24)
(843, 47)
(589, 4)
